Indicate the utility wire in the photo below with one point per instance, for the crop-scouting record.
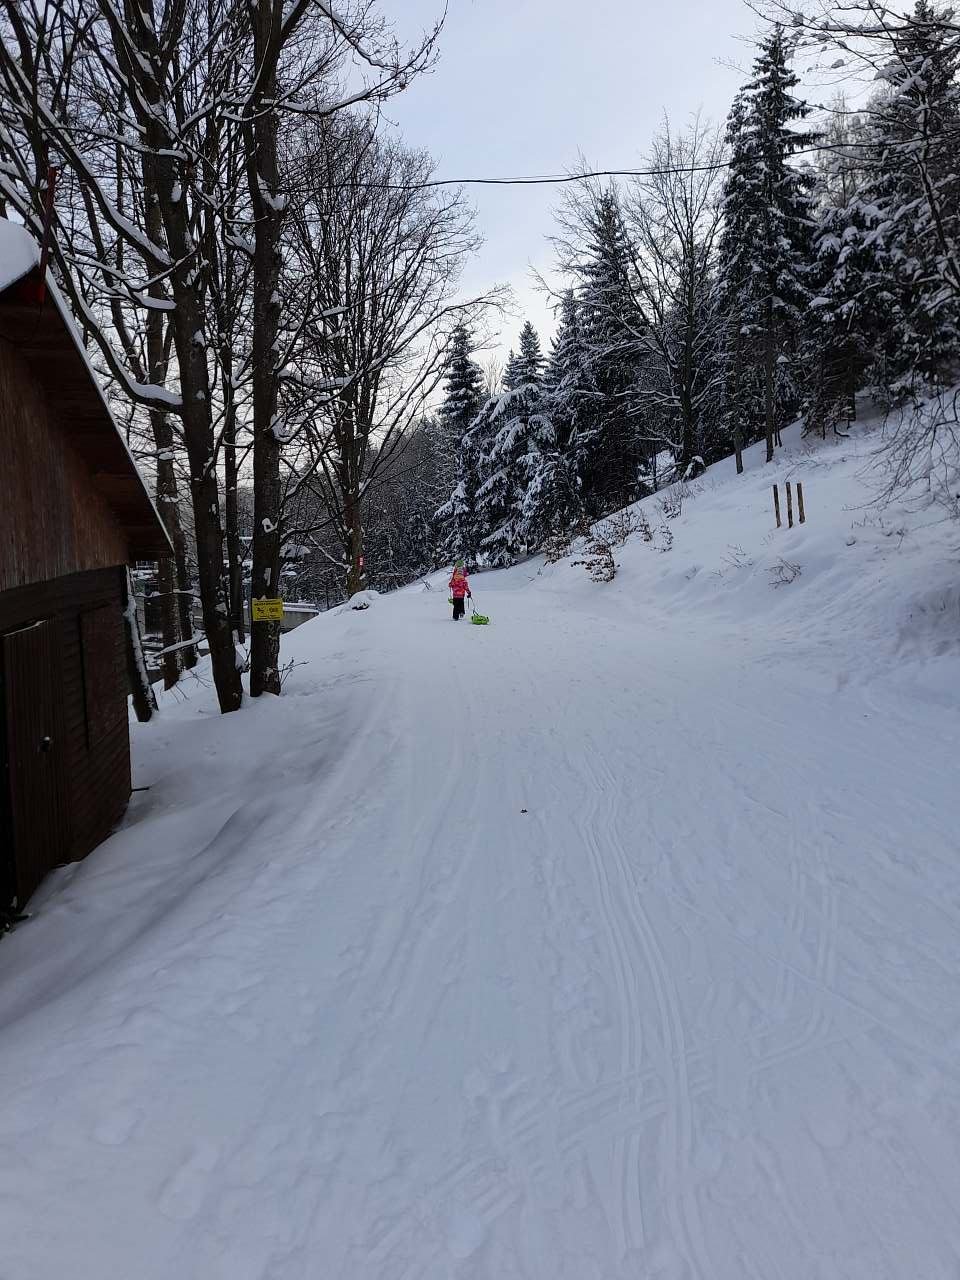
(555, 179)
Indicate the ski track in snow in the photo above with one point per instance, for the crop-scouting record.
(596, 944)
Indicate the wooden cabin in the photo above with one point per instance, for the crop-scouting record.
(74, 512)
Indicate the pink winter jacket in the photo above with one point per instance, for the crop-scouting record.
(458, 584)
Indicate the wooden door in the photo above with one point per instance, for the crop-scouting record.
(35, 755)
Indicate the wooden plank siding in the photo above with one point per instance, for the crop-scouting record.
(74, 511)
(87, 609)
(36, 744)
(53, 521)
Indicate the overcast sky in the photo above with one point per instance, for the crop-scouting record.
(524, 86)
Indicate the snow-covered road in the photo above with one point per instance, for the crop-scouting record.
(583, 946)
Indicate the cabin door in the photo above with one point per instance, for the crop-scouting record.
(33, 754)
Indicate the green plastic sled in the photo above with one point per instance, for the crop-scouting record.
(479, 619)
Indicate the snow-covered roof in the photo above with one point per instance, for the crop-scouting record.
(19, 253)
(51, 346)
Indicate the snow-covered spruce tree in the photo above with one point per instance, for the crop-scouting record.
(510, 378)
(595, 253)
(855, 318)
(570, 389)
(463, 399)
(518, 432)
(887, 316)
(552, 504)
(741, 413)
(463, 391)
(457, 519)
(914, 53)
(527, 368)
(612, 328)
(766, 247)
(853, 311)
(915, 188)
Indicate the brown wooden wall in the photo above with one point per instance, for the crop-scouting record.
(96, 760)
(52, 520)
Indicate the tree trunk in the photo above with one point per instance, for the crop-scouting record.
(169, 621)
(176, 586)
(167, 576)
(144, 700)
(234, 548)
(263, 177)
(736, 427)
(177, 620)
(185, 593)
(188, 322)
(356, 574)
(769, 357)
(688, 444)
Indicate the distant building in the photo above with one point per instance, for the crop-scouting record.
(74, 512)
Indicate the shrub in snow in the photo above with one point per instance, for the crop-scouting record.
(599, 561)
(616, 529)
(663, 539)
(671, 504)
(783, 573)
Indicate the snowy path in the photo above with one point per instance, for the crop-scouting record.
(578, 947)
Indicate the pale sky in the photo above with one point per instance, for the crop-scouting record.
(524, 86)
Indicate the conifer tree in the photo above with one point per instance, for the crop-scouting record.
(915, 188)
(463, 392)
(458, 520)
(529, 364)
(511, 378)
(612, 330)
(856, 313)
(766, 249)
(462, 402)
(519, 433)
(887, 314)
(553, 504)
(742, 396)
(568, 383)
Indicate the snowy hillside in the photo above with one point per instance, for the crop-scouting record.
(617, 939)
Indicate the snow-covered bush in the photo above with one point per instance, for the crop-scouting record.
(599, 562)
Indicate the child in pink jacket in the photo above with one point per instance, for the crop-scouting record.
(459, 588)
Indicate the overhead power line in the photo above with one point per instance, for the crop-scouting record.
(556, 179)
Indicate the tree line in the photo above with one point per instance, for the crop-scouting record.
(753, 276)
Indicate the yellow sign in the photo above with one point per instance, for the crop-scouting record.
(268, 610)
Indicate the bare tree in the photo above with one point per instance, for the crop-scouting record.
(382, 253)
(674, 216)
(138, 79)
(493, 368)
(295, 58)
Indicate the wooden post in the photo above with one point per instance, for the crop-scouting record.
(776, 504)
(789, 505)
(800, 502)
